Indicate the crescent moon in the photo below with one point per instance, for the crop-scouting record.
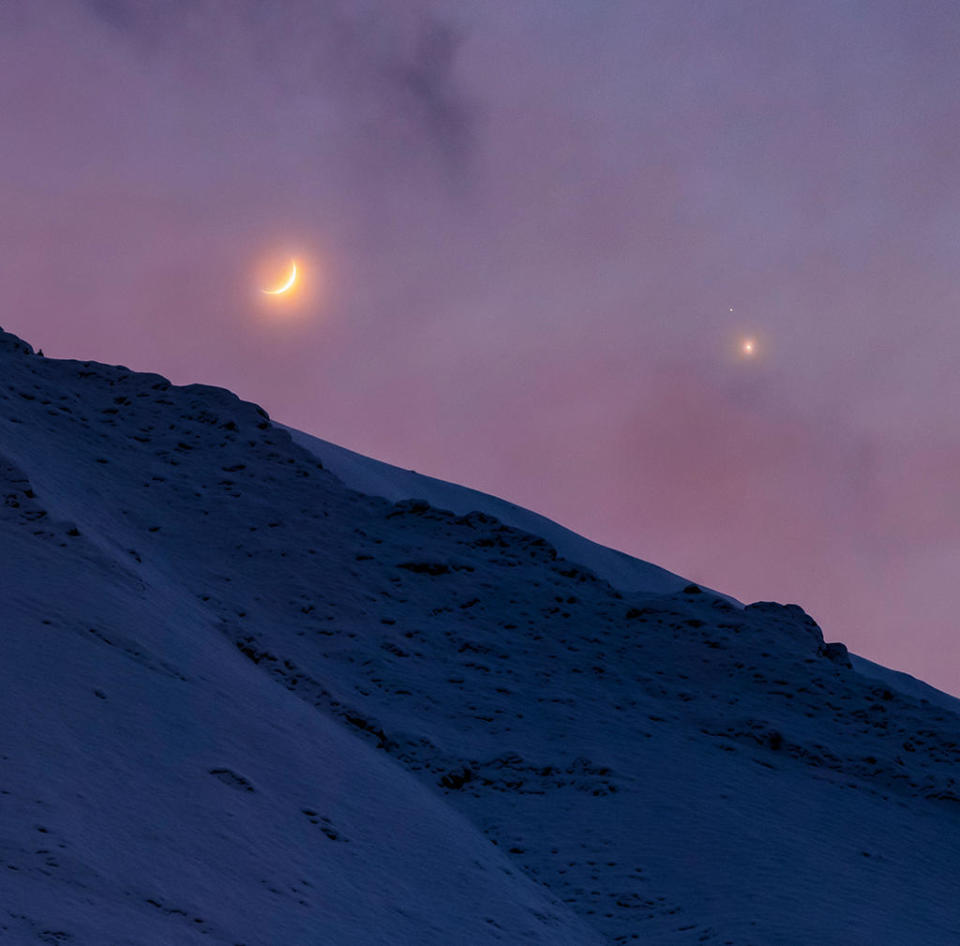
(287, 285)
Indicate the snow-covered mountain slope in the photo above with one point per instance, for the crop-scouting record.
(904, 683)
(624, 572)
(247, 704)
(156, 785)
(376, 478)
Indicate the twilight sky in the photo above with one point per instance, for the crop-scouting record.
(523, 227)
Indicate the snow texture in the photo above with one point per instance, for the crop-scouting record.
(376, 478)
(248, 704)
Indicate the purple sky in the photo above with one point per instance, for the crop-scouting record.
(526, 225)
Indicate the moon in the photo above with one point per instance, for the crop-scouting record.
(287, 285)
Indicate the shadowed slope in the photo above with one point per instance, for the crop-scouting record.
(310, 684)
(376, 478)
(156, 785)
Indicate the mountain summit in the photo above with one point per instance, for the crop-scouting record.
(245, 703)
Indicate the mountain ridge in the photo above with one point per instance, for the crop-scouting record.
(376, 478)
(205, 601)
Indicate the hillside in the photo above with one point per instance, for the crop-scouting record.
(249, 704)
(376, 478)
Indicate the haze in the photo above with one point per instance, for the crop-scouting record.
(532, 223)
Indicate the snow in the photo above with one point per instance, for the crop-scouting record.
(247, 703)
(624, 572)
(376, 478)
(911, 686)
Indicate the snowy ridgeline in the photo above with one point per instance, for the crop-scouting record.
(248, 704)
(624, 572)
(376, 478)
